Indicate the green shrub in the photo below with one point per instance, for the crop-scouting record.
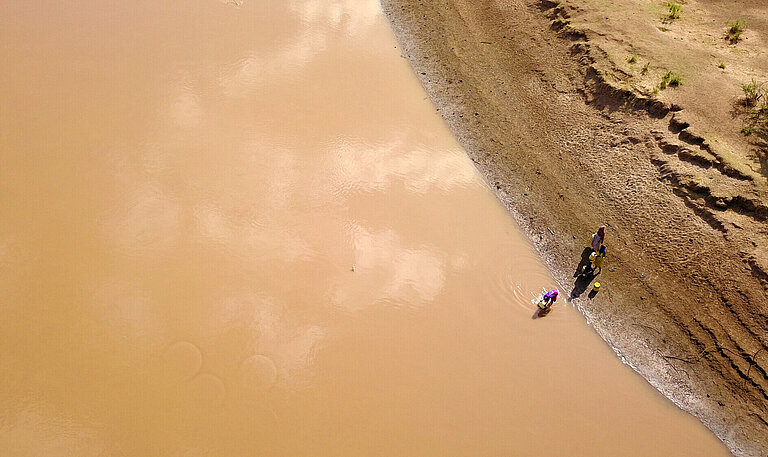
(674, 10)
(757, 109)
(733, 32)
(672, 79)
(632, 59)
(753, 92)
(645, 68)
(721, 65)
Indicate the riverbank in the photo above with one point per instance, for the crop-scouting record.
(567, 147)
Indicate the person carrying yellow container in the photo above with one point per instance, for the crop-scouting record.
(597, 260)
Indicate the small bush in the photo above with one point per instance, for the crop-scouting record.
(645, 68)
(632, 59)
(757, 109)
(671, 79)
(753, 92)
(721, 65)
(674, 10)
(733, 32)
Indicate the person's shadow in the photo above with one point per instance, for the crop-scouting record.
(584, 261)
(539, 313)
(581, 284)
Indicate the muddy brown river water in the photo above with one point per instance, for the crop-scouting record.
(238, 229)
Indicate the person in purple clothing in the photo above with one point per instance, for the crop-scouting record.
(598, 238)
(549, 298)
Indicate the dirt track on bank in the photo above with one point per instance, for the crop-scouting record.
(684, 297)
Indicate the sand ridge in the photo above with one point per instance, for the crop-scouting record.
(567, 148)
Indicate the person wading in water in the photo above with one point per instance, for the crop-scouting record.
(548, 299)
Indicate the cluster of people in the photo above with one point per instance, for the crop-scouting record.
(594, 267)
(598, 253)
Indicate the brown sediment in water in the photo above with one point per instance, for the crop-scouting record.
(239, 228)
(569, 146)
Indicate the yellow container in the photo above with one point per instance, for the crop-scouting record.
(596, 287)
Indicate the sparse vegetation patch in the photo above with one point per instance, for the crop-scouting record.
(753, 92)
(671, 79)
(756, 104)
(674, 10)
(734, 30)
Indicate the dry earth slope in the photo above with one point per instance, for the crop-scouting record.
(566, 149)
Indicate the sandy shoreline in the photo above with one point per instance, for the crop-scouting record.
(566, 152)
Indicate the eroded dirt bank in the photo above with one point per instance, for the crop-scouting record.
(684, 298)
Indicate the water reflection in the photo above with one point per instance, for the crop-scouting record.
(147, 221)
(43, 432)
(351, 17)
(384, 269)
(358, 166)
(319, 22)
(264, 237)
(184, 105)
